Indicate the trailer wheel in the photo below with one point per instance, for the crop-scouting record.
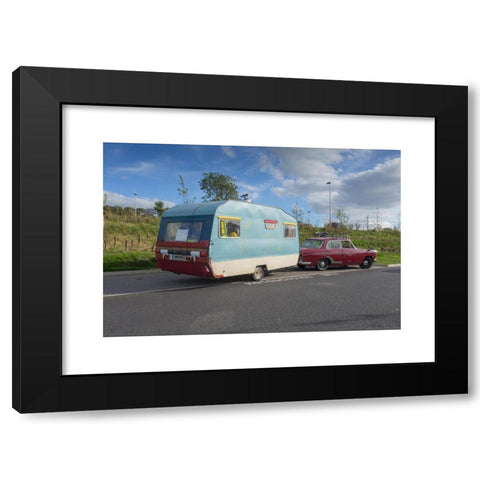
(258, 273)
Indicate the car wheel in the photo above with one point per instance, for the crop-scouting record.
(258, 273)
(367, 263)
(322, 264)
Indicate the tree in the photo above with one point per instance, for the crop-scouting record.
(129, 211)
(107, 210)
(159, 207)
(297, 212)
(183, 191)
(218, 187)
(341, 216)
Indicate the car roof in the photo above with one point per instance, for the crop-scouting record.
(327, 238)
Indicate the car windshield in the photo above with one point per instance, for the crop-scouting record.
(311, 243)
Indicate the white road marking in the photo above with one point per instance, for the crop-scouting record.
(280, 279)
(174, 289)
(307, 275)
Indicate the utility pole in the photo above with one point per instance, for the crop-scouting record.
(136, 195)
(379, 225)
(330, 203)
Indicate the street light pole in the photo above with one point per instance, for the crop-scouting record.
(136, 195)
(330, 202)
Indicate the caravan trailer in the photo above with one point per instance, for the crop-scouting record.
(226, 238)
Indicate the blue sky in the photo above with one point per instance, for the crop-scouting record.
(364, 183)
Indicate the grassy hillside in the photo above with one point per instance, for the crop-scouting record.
(139, 232)
(129, 242)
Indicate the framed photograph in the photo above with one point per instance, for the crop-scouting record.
(187, 239)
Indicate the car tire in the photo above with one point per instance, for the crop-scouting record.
(322, 264)
(367, 263)
(258, 273)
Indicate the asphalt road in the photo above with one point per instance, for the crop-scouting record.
(161, 303)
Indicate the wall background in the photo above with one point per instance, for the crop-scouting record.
(390, 438)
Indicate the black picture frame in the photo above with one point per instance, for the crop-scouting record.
(38, 97)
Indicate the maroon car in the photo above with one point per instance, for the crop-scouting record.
(324, 252)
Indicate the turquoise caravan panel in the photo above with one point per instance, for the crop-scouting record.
(190, 209)
(257, 237)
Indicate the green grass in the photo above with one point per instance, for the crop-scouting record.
(129, 233)
(114, 261)
(129, 242)
(388, 258)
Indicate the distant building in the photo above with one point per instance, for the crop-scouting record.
(333, 225)
(149, 212)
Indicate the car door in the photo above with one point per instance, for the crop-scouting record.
(334, 252)
(349, 253)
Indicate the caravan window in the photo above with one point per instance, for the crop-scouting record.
(289, 230)
(229, 227)
(183, 231)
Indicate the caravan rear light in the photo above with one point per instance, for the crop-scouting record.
(197, 254)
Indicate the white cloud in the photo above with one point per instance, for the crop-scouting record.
(119, 200)
(268, 164)
(373, 193)
(229, 152)
(254, 191)
(280, 192)
(141, 169)
(379, 187)
(307, 162)
(356, 186)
